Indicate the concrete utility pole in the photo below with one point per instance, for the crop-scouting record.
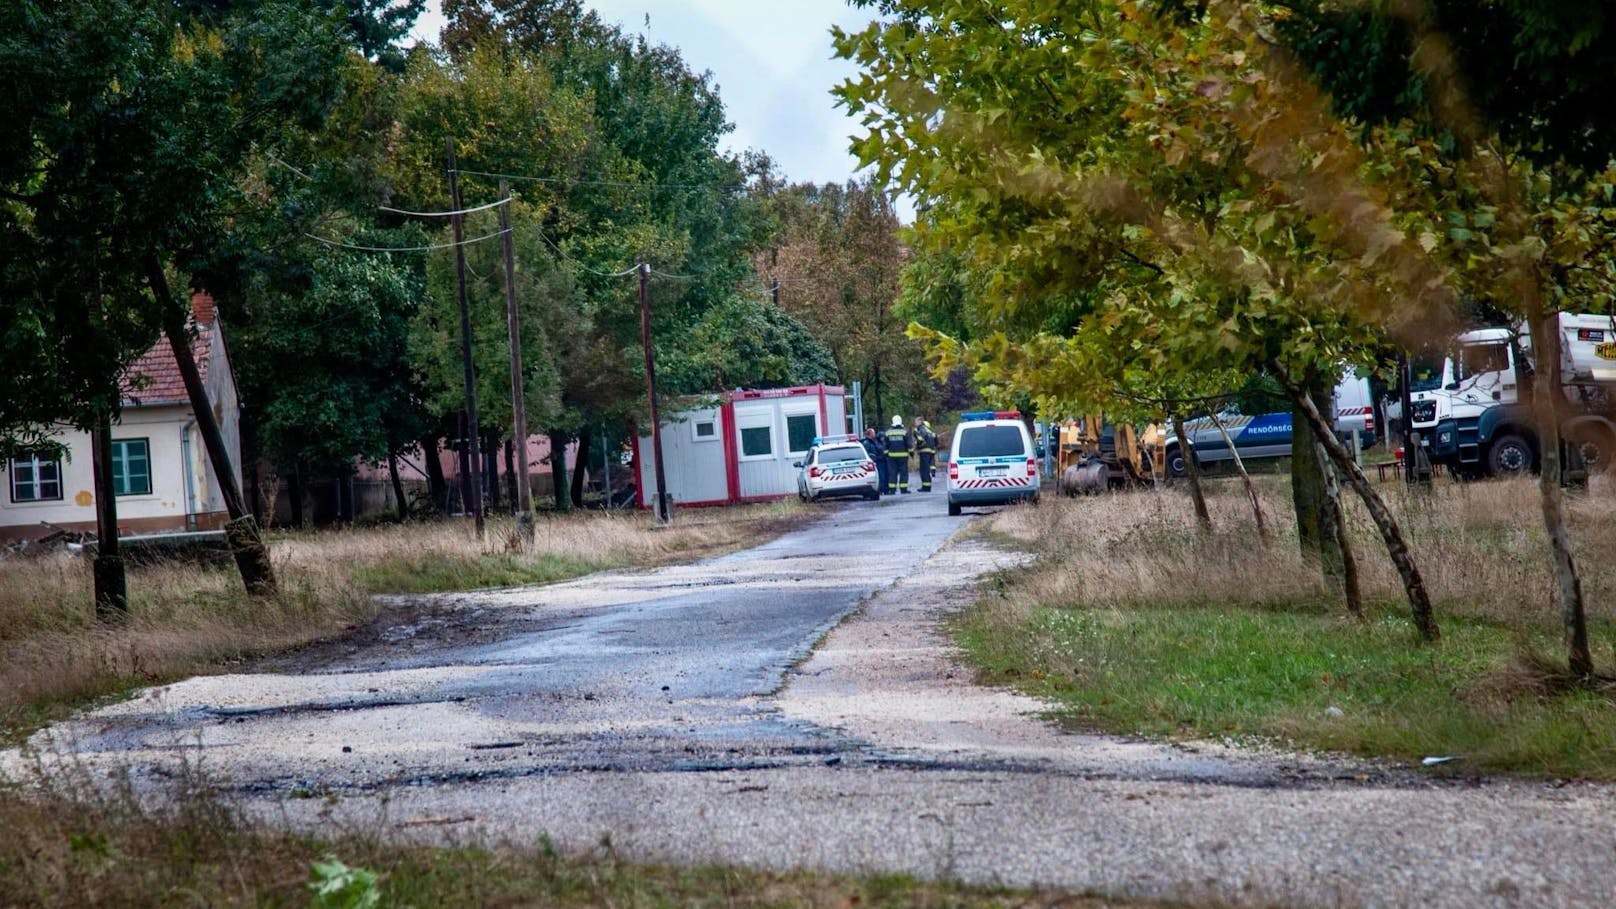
(473, 429)
(524, 489)
(245, 539)
(664, 502)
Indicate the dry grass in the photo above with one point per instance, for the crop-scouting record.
(1137, 624)
(1480, 547)
(187, 618)
(70, 843)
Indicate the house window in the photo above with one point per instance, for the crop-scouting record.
(35, 477)
(800, 431)
(705, 430)
(131, 467)
(757, 442)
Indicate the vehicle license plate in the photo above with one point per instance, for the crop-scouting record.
(990, 471)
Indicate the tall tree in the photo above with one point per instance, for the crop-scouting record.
(1147, 195)
(133, 124)
(837, 259)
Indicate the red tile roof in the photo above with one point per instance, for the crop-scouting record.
(154, 379)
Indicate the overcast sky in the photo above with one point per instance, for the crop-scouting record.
(772, 61)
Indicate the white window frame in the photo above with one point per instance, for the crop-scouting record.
(800, 409)
(698, 436)
(150, 480)
(34, 462)
(759, 418)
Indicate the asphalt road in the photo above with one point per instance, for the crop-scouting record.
(687, 714)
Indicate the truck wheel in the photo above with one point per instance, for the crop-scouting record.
(1177, 468)
(1510, 455)
(1594, 445)
(953, 509)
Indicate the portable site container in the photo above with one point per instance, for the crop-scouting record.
(740, 447)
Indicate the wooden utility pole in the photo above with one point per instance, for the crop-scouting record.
(524, 489)
(664, 502)
(111, 586)
(473, 429)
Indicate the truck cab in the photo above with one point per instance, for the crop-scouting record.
(1476, 418)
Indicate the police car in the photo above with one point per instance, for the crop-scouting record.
(837, 466)
(992, 461)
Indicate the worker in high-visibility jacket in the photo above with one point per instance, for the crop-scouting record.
(926, 445)
(898, 445)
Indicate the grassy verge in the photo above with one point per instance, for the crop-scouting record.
(188, 618)
(93, 846)
(1133, 624)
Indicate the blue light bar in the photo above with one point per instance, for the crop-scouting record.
(845, 437)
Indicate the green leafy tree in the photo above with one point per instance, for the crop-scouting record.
(133, 126)
(1139, 200)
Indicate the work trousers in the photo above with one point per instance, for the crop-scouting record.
(927, 458)
(898, 473)
(883, 474)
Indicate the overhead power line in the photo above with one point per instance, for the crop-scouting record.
(663, 274)
(603, 274)
(570, 181)
(339, 244)
(443, 214)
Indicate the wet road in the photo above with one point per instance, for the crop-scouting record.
(641, 671)
(687, 713)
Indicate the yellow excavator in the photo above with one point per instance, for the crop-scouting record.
(1095, 455)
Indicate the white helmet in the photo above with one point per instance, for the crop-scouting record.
(897, 421)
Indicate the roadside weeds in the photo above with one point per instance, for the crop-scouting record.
(1133, 624)
(74, 840)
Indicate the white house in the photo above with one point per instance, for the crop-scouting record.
(741, 448)
(160, 467)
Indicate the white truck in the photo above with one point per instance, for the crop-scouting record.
(1474, 411)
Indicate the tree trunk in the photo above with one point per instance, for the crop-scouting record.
(1396, 547)
(437, 488)
(558, 471)
(490, 453)
(398, 487)
(1203, 518)
(1349, 560)
(881, 417)
(111, 584)
(465, 466)
(578, 473)
(510, 476)
(1316, 524)
(1545, 393)
(296, 490)
(270, 486)
(1245, 478)
(252, 556)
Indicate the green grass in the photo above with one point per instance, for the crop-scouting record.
(1275, 672)
(436, 572)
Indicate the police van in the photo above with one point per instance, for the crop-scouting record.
(991, 461)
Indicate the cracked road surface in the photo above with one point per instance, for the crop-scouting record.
(686, 713)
